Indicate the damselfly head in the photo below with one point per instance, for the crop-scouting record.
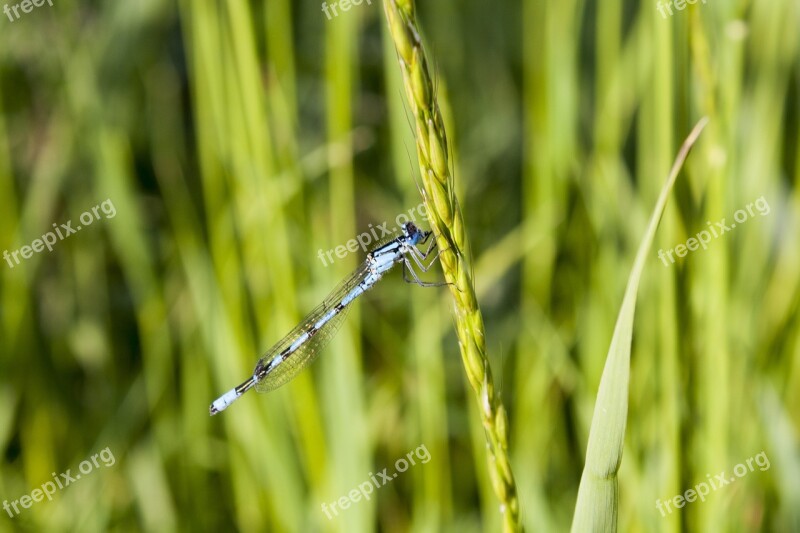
(413, 233)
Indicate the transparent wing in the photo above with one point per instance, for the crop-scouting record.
(303, 356)
(286, 370)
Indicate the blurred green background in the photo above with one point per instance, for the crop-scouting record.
(237, 139)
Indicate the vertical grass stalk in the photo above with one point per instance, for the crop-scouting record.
(444, 215)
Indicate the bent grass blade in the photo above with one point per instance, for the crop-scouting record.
(598, 495)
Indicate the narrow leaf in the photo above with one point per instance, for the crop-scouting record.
(597, 505)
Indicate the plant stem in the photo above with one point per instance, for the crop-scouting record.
(444, 215)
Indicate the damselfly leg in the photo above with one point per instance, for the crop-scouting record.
(416, 281)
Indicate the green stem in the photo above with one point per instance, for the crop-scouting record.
(444, 215)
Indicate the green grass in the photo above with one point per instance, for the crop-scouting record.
(237, 139)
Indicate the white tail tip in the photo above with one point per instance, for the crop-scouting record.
(221, 403)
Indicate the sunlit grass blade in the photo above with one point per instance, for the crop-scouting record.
(598, 494)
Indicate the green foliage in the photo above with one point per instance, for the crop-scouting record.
(238, 139)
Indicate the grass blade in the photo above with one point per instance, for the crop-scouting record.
(598, 495)
(445, 217)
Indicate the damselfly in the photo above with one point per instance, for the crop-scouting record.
(302, 345)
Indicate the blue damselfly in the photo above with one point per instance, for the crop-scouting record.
(302, 345)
